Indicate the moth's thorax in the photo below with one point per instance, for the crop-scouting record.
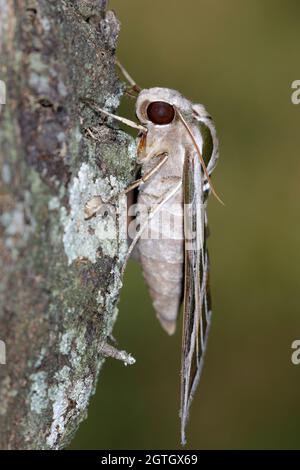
(159, 140)
(172, 140)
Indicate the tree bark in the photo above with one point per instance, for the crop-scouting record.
(60, 273)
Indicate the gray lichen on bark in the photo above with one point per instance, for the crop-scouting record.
(60, 276)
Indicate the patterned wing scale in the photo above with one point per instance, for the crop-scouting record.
(197, 301)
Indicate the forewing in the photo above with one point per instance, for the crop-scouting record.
(197, 305)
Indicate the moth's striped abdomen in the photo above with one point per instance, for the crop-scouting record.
(161, 257)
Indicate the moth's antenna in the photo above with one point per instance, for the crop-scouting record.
(128, 77)
(200, 155)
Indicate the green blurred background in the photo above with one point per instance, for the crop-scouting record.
(239, 58)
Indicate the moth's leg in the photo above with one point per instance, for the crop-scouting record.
(140, 181)
(125, 121)
(130, 93)
(148, 175)
(128, 77)
(151, 214)
(109, 351)
(95, 203)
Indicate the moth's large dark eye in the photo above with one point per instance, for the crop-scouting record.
(160, 112)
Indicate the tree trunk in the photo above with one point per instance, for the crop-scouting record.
(60, 273)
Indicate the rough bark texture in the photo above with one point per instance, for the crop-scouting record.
(60, 278)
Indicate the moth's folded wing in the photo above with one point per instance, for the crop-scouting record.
(197, 309)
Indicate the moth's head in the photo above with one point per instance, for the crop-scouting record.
(158, 106)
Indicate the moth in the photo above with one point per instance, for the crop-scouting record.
(177, 152)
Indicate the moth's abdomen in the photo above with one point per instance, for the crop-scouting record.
(161, 258)
(165, 286)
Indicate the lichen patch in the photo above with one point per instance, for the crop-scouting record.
(68, 399)
(38, 392)
(91, 238)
